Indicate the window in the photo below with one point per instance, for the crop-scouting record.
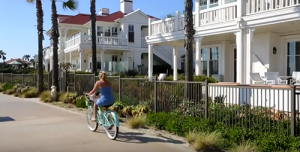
(130, 33)
(99, 30)
(210, 64)
(212, 3)
(293, 57)
(107, 31)
(114, 31)
(114, 58)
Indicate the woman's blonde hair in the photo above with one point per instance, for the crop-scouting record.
(102, 76)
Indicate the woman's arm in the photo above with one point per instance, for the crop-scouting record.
(96, 86)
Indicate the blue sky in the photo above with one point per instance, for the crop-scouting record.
(18, 35)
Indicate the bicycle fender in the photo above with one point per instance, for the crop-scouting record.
(115, 117)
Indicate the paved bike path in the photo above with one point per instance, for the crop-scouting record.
(27, 126)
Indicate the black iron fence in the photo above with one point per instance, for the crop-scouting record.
(267, 108)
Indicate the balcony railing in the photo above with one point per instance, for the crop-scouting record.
(122, 66)
(256, 6)
(219, 14)
(100, 40)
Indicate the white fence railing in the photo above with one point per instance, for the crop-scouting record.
(256, 6)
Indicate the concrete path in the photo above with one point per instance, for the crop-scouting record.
(27, 126)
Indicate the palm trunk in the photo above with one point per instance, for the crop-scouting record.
(54, 36)
(40, 15)
(188, 45)
(93, 22)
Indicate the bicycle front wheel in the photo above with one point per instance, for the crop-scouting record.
(110, 127)
(93, 126)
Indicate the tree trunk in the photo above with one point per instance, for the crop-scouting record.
(188, 45)
(54, 36)
(94, 49)
(40, 30)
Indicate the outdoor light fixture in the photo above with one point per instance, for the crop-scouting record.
(274, 50)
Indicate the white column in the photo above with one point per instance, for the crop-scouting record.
(137, 59)
(81, 60)
(248, 67)
(241, 8)
(150, 61)
(198, 66)
(70, 57)
(102, 60)
(240, 77)
(149, 27)
(51, 62)
(175, 62)
(177, 20)
(197, 10)
(65, 57)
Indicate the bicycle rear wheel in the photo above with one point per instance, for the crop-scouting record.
(93, 126)
(110, 127)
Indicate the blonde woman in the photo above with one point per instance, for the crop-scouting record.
(104, 87)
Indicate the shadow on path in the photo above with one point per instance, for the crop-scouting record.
(6, 118)
(134, 137)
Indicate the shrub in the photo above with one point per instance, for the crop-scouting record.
(68, 97)
(9, 91)
(207, 141)
(232, 132)
(80, 102)
(201, 78)
(137, 122)
(6, 86)
(245, 147)
(31, 93)
(45, 96)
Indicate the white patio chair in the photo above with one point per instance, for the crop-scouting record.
(274, 76)
(161, 76)
(296, 78)
(257, 79)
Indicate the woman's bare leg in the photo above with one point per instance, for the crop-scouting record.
(95, 111)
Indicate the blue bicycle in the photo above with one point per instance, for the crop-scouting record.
(107, 119)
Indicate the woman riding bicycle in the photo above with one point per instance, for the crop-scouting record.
(104, 87)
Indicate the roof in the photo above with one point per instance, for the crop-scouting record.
(12, 61)
(85, 18)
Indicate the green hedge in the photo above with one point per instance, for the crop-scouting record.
(232, 135)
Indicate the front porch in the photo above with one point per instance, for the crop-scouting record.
(269, 48)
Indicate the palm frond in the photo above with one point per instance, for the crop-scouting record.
(30, 1)
(70, 4)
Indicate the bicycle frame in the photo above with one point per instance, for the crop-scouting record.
(102, 116)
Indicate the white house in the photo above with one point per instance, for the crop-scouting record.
(120, 36)
(236, 37)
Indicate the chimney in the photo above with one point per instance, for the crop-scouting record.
(126, 6)
(104, 11)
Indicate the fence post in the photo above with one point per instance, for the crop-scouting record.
(120, 88)
(206, 99)
(155, 95)
(293, 109)
(2, 77)
(75, 81)
(22, 78)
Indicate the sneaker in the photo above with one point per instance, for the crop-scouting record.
(93, 120)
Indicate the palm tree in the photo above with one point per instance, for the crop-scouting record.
(188, 43)
(26, 57)
(40, 30)
(2, 56)
(93, 22)
(69, 4)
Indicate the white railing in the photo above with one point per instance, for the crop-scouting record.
(100, 40)
(218, 14)
(73, 42)
(256, 6)
(143, 42)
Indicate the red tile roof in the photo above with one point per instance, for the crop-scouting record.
(19, 60)
(84, 18)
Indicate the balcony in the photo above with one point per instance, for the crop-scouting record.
(226, 16)
(215, 15)
(103, 41)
